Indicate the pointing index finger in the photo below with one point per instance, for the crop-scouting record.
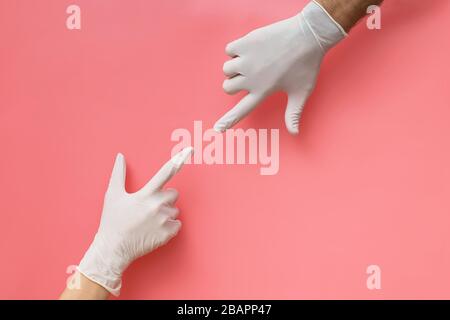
(167, 171)
(243, 108)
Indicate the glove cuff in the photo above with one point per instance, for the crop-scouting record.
(102, 266)
(327, 31)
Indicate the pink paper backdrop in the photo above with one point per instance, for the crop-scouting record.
(366, 182)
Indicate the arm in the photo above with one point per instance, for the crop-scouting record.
(286, 56)
(132, 225)
(88, 290)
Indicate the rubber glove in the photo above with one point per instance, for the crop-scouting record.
(285, 56)
(132, 224)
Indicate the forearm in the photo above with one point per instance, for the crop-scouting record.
(87, 290)
(347, 12)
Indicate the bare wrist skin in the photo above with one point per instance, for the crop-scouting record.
(347, 12)
(87, 290)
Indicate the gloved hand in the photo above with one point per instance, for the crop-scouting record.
(285, 56)
(132, 224)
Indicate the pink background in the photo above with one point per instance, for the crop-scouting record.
(366, 182)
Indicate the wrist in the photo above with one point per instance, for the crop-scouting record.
(339, 11)
(86, 289)
(103, 265)
(347, 13)
(325, 31)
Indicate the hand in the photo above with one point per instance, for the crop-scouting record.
(285, 56)
(132, 224)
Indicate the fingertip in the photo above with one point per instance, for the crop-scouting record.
(219, 127)
(293, 130)
(119, 161)
(225, 86)
(292, 120)
(180, 158)
(229, 50)
(186, 153)
(224, 67)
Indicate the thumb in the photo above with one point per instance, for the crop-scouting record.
(117, 180)
(294, 110)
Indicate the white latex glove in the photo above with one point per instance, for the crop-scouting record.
(132, 224)
(284, 56)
